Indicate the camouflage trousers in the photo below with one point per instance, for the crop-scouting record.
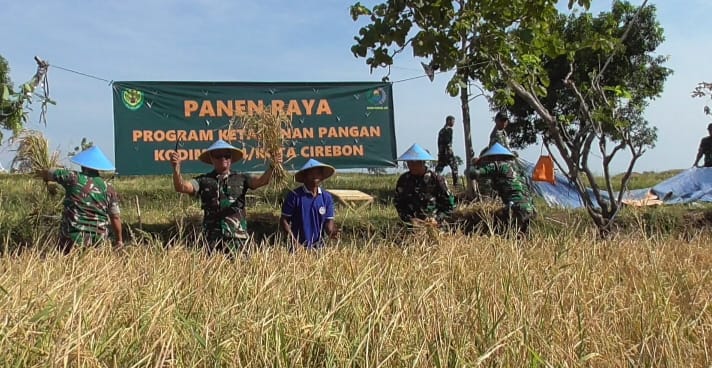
(68, 241)
(447, 160)
(216, 243)
(515, 216)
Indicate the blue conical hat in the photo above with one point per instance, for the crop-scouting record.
(416, 153)
(93, 158)
(497, 152)
(311, 164)
(237, 154)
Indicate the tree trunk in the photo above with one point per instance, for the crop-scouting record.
(470, 185)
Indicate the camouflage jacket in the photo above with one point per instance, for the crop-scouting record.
(423, 196)
(88, 203)
(222, 199)
(499, 136)
(507, 181)
(445, 141)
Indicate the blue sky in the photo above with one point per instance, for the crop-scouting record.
(270, 40)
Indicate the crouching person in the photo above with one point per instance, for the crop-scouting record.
(497, 164)
(422, 196)
(91, 205)
(308, 211)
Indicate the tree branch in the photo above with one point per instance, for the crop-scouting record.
(623, 37)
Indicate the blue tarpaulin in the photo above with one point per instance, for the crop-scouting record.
(691, 185)
(562, 194)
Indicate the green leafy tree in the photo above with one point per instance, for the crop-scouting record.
(84, 145)
(633, 76)
(703, 89)
(466, 36)
(14, 104)
(9, 118)
(506, 45)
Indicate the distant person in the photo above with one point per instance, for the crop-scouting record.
(705, 149)
(497, 164)
(91, 205)
(308, 211)
(421, 194)
(222, 195)
(446, 157)
(499, 132)
(497, 135)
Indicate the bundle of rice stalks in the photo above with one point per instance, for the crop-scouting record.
(428, 228)
(476, 215)
(33, 154)
(266, 127)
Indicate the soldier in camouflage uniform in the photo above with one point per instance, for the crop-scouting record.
(499, 132)
(446, 157)
(222, 195)
(498, 135)
(422, 194)
(497, 165)
(91, 205)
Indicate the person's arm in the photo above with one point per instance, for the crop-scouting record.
(116, 226)
(401, 201)
(330, 226)
(264, 179)
(58, 175)
(114, 214)
(47, 175)
(285, 221)
(444, 200)
(449, 140)
(699, 155)
(180, 185)
(472, 173)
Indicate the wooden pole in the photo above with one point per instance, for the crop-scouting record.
(138, 211)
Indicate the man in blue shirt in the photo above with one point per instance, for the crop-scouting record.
(308, 211)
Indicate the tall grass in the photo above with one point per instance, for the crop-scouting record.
(377, 297)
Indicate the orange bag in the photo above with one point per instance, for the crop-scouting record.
(544, 170)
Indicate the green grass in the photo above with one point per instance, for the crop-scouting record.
(639, 180)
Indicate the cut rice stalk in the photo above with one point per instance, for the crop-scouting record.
(265, 128)
(33, 154)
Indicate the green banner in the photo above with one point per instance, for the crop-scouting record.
(347, 125)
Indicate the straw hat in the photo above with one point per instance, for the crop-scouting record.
(416, 153)
(93, 158)
(496, 153)
(313, 164)
(220, 144)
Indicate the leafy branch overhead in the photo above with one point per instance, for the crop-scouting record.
(16, 104)
(580, 82)
(703, 89)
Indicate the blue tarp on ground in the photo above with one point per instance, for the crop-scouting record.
(691, 185)
(562, 194)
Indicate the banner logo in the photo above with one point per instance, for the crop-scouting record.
(133, 99)
(377, 96)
